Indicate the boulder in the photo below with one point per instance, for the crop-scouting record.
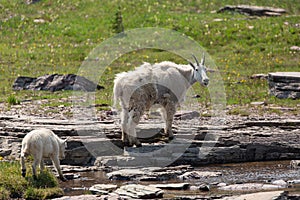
(204, 188)
(55, 82)
(254, 10)
(284, 85)
(140, 191)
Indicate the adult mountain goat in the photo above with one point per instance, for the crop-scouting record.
(164, 83)
(42, 143)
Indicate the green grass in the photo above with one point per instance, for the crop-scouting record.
(11, 100)
(13, 185)
(239, 46)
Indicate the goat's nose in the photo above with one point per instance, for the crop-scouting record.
(206, 82)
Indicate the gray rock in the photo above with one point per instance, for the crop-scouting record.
(254, 10)
(186, 115)
(259, 76)
(221, 184)
(198, 175)
(102, 188)
(55, 82)
(258, 103)
(251, 187)
(295, 164)
(280, 183)
(5, 152)
(259, 195)
(140, 191)
(80, 197)
(125, 174)
(284, 85)
(204, 188)
(145, 174)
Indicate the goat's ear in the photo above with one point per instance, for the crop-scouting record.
(193, 66)
(210, 70)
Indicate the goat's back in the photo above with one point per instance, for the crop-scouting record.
(42, 141)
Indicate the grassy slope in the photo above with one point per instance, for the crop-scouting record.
(15, 186)
(239, 46)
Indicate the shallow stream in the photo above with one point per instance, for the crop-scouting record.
(252, 172)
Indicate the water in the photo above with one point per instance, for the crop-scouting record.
(258, 172)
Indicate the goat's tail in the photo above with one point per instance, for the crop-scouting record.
(117, 89)
(116, 96)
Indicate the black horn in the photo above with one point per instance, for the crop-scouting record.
(193, 66)
(196, 60)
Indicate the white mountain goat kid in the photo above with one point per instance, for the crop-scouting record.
(43, 143)
(164, 83)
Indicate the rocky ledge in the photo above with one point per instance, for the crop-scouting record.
(196, 143)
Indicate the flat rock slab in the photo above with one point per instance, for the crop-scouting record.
(80, 197)
(102, 188)
(259, 195)
(251, 187)
(146, 174)
(198, 175)
(285, 77)
(140, 191)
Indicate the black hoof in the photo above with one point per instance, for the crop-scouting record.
(63, 179)
(24, 173)
(171, 137)
(127, 144)
(139, 145)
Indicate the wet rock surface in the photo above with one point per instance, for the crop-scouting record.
(139, 191)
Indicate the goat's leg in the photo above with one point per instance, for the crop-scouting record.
(168, 114)
(134, 117)
(124, 126)
(42, 165)
(23, 166)
(55, 161)
(36, 162)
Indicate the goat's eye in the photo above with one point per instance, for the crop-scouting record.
(196, 69)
